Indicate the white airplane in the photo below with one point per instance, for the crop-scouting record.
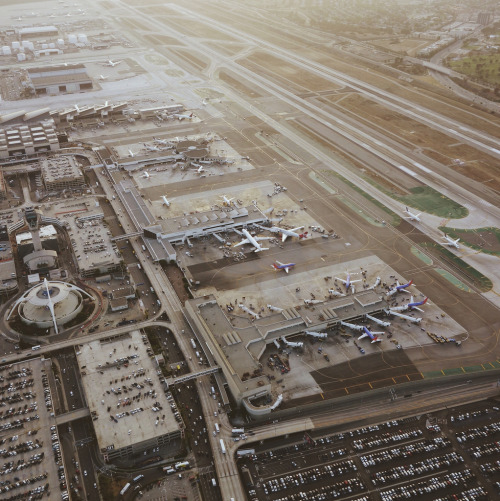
(161, 141)
(226, 201)
(147, 175)
(252, 240)
(165, 201)
(333, 292)
(112, 63)
(131, 154)
(451, 242)
(411, 216)
(288, 233)
(347, 282)
(151, 148)
(182, 117)
(102, 77)
(200, 168)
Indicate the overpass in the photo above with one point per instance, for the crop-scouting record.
(191, 375)
(67, 417)
(127, 236)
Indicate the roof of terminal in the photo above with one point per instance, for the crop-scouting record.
(121, 376)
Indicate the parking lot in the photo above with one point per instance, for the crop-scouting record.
(451, 455)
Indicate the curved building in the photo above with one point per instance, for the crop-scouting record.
(50, 304)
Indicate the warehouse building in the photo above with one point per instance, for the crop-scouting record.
(132, 417)
(61, 173)
(59, 79)
(28, 139)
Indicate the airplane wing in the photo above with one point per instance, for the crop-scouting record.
(363, 335)
(258, 239)
(342, 280)
(245, 241)
(283, 237)
(286, 268)
(354, 281)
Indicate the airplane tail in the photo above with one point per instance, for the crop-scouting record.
(303, 235)
(410, 282)
(425, 300)
(261, 249)
(274, 266)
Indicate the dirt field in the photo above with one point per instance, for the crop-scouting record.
(409, 45)
(278, 68)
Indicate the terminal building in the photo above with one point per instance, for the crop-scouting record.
(28, 139)
(132, 418)
(238, 343)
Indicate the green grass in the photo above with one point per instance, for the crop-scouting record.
(462, 234)
(482, 282)
(427, 199)
(485, 67)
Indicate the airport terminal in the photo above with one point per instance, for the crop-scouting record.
(223, 232)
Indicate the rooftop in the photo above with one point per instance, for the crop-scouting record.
(121, 376)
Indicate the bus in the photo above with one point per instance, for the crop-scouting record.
(243, 453)
(193, 344)
(125, 489)
(238, 431)
(182, 465)
(138, 478)
(222, 446)
(168, 470)
(217, 428)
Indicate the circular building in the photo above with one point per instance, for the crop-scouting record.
(50, 304)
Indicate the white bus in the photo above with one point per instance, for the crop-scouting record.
(217, 428)
(238, 431)
(193, 344)
(125, 489)
(222, 446)
(182, 465)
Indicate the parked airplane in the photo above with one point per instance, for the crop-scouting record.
(200, 168)
(102, 77)
(112, 63)
(411, 216)
(161, 141)
(131, 153)
(288, 233)
(226, 201)
(146, 174)
(252, 240)
(411, 305)
(372, 335)
(151, 148)
(165, 201)
(399, 288)
(281, 266)
(333, 292)
(451, 242)
(182, 117)
(347, 282)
